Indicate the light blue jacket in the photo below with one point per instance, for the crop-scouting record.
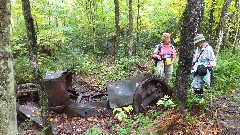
(207, 77)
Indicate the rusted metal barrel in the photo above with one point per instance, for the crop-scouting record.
(140, 91)
(56, 83)
(151, 89)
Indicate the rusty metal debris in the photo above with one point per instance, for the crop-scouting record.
(140, 91)
(27, 92)
(31, 111)
(56, 84)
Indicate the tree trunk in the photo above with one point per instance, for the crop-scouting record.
(117, 27)
(63, 13)
(49, 14)
(138, 30)
(191, 18)
(32, 40)
(226, 41)
(90, 8)
(236, 41)
(211, 20)
(8, 115)
(200, 27)
(56, 21)
(93, 26)
(221, 26)
(44, 107)
(237, 36)
(130, 30)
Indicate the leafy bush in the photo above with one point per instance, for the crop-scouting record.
(21, 70)
(194, 99)
(166, 102)
(122, 112)
(94, 131)
(227, 72)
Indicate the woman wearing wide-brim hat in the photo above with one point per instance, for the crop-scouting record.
(203, 62)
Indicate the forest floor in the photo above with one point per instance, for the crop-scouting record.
(226, 110)
(220, 118)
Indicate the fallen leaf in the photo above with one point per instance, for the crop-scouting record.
(51, 119)
(180, 132)
(224, 106)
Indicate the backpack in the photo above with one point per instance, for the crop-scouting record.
(159, 46)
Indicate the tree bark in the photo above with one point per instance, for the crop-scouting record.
(49, 14)
(236, 41)
(44, 108)
(130, 29)
(117, 27)
(138, 29)
(237, 35)
(221, 26)
(226, 41)
(90, 9)
(8, 115)
(191, 18)
(32, 40)
(93, 26)
(211, 20)
(200, 27)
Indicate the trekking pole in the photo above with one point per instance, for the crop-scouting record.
(211, 77)
(211, 95)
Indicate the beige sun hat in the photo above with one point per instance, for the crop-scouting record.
(199, 38)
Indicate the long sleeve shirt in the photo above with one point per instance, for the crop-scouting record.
(206, 56)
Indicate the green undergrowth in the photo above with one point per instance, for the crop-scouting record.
(132, 124)
(85, 65)
(227, 73)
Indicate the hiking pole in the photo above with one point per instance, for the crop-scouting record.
(211, 77)
(211, 95)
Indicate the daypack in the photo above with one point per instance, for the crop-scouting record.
(159, 46)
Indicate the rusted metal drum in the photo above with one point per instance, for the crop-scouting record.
(151, 89)
(140, 91)
(56, 84)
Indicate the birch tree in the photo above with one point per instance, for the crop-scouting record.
(221, 25)
(8, 114)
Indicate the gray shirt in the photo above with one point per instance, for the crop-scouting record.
(207, 55)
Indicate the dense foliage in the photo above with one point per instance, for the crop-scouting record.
(80, 35)
(74, 34)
